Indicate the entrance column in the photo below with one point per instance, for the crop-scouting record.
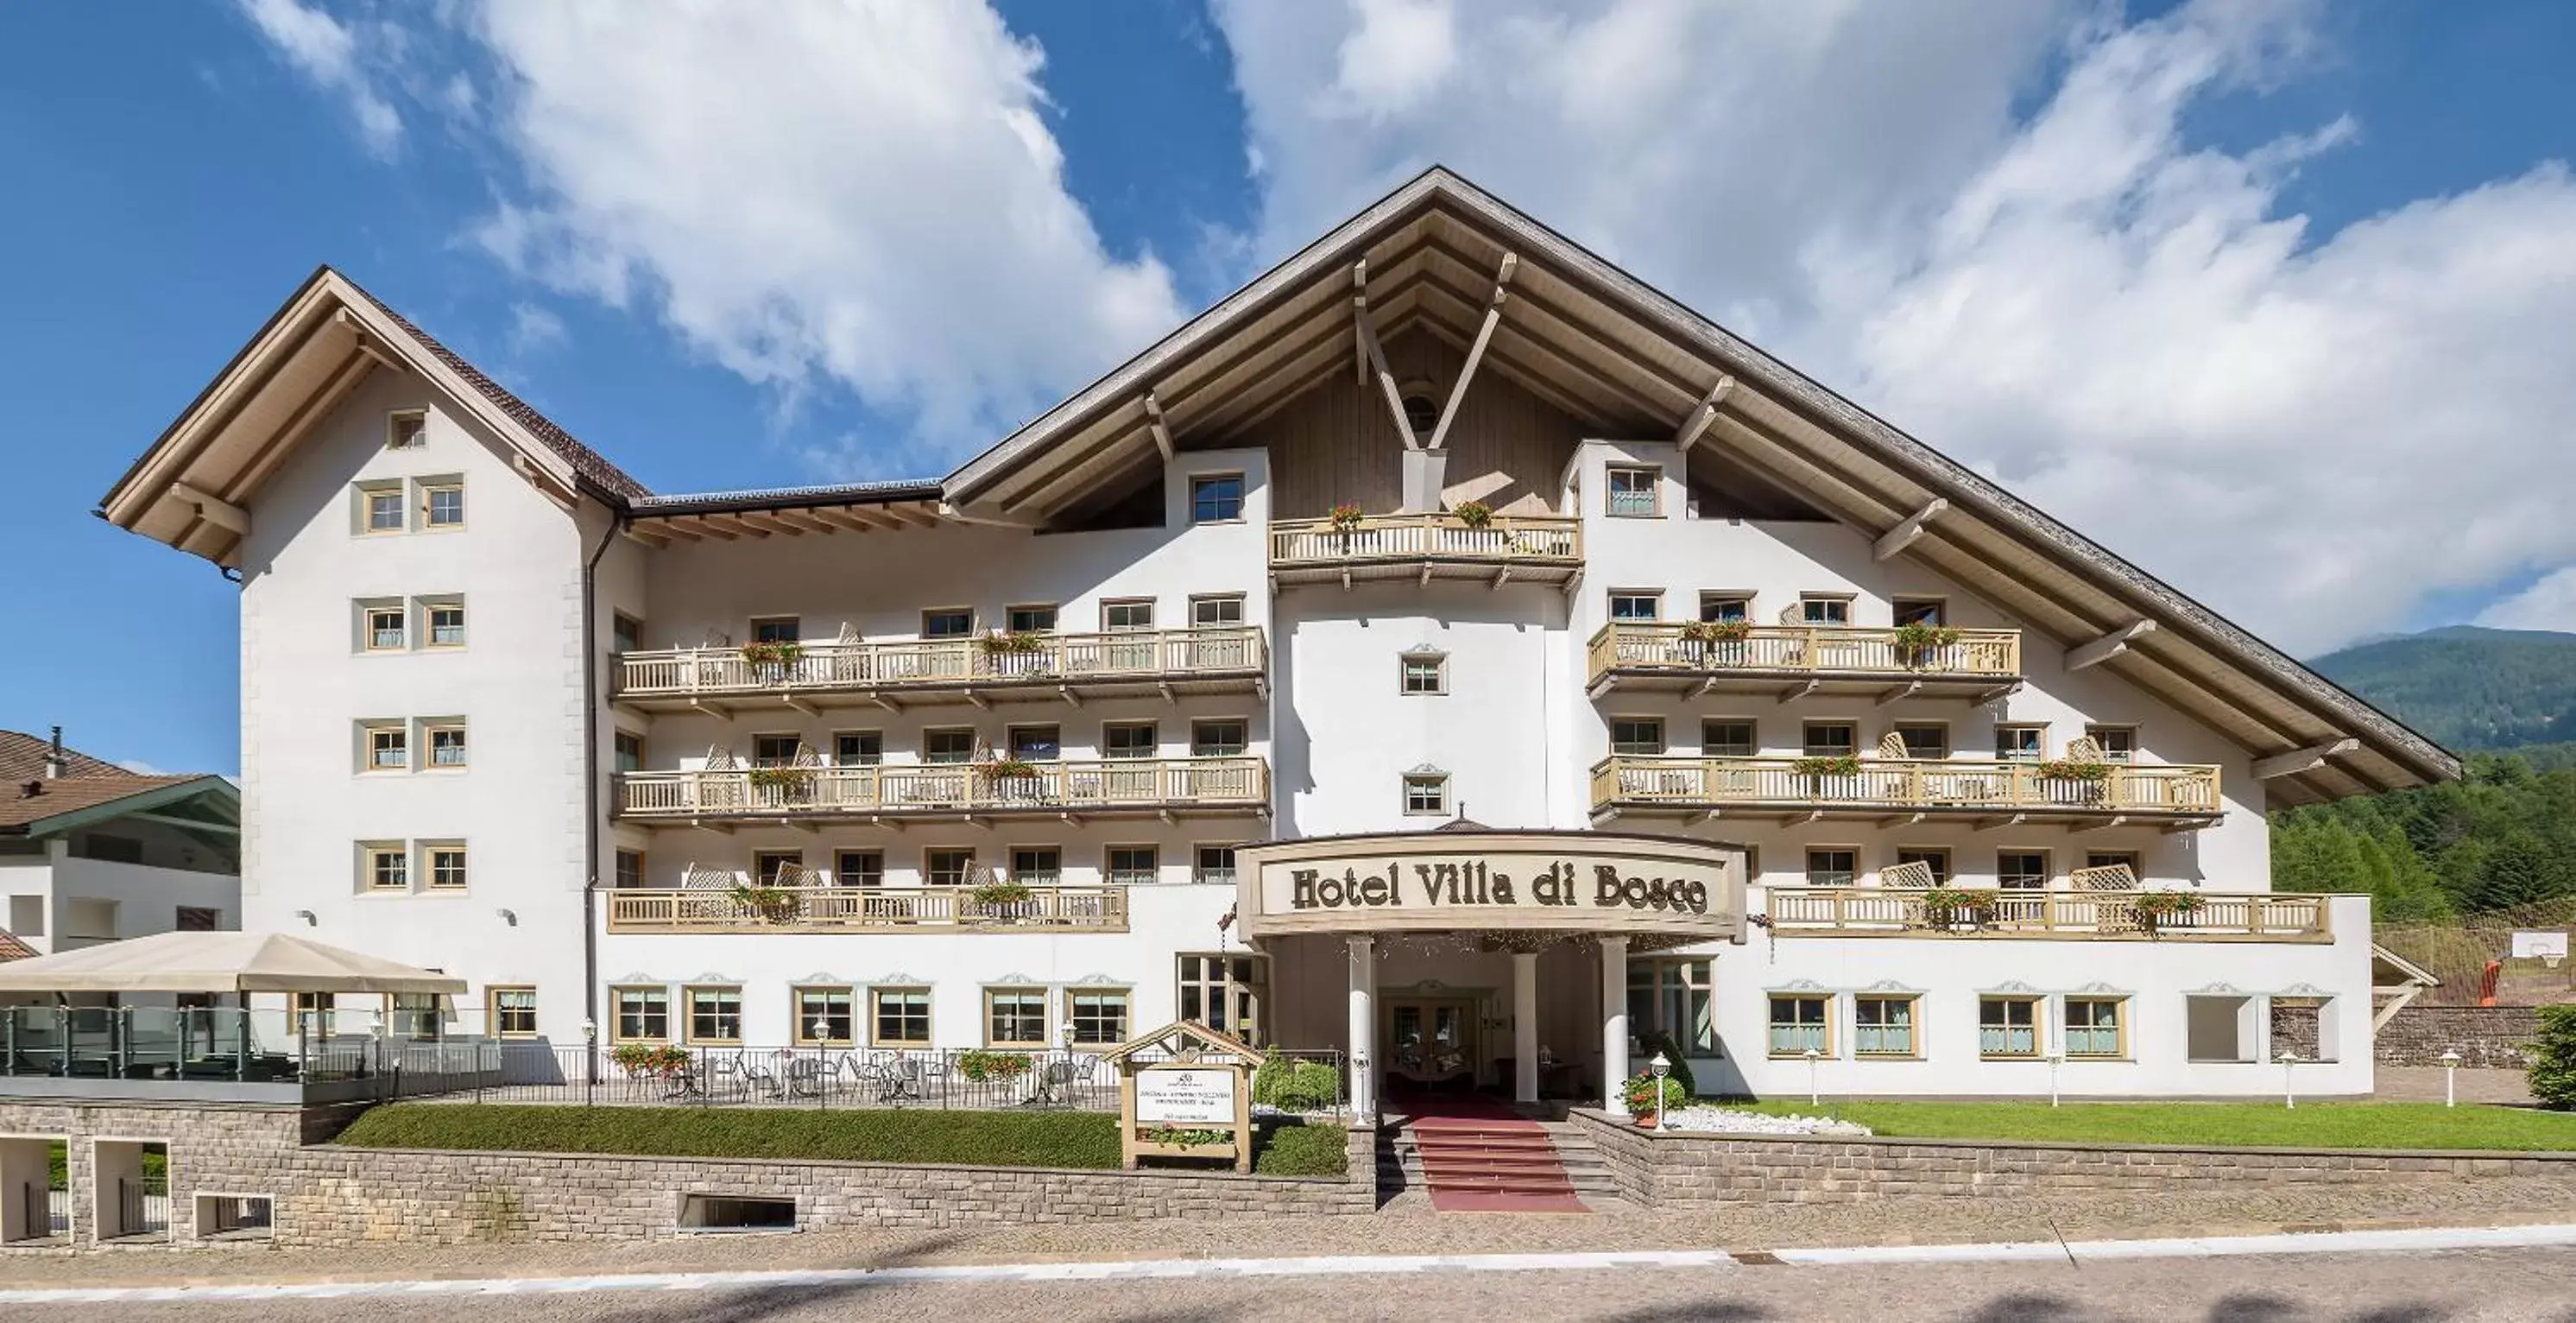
(1525, 1026)
(1614, 1024)
(1363, 1035)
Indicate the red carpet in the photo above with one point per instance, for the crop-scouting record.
(1480, 1156)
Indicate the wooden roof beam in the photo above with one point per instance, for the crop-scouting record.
(768, 523)
(1904, 535)
(1476, 352)
(1385, 375)
(1697, 424)
(2108, 646)
(1162, 432)
(842, 519)
(2302, 760)
(213, 509)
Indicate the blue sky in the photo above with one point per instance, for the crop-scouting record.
(1932, 238)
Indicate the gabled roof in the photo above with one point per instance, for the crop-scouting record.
(88, 789)
(13, 949)
(1631, 362)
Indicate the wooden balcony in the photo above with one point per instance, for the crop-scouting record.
(1792, 661)
(1167, 787)
(1095, 909)
(979, 670)
(1527, 548)
(2179, 797)
(2082, 916)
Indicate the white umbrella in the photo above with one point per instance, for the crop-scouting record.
(219, 962)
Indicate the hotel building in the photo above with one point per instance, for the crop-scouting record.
(1446, 649)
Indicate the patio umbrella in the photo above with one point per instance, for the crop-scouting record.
(219, 962)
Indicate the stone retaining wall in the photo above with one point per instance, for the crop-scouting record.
(1675, 1170)
(325, 1195)
(2486, 1037)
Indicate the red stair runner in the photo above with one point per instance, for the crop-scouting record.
(1480, 1157)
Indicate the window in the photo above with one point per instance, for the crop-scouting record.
(2007, 1027)
(416, 1014)
(1820, 610)
(1132, 866)
(1099, 1017)
(1421, 415)
(313, 1012)
(2095, 1027)
(858, 748)
(1936, 856)
(1633, 491)
(2119, 743)
(2021, 744)
(443, 505)
(1422, 673)
(2218, 1028)
(386, 629)
(380, 508)
(643, 1015)
(1216, 498)
(1725, 606)
(1036, 744)
(512, 1012)
(2127, 859)
(385, 866)
(954, 622)
(858, 868)
(1799, 1024)
(946, 868)
(196, 919)
(1829, 739)
(388, 747)
(1636, 606)
(1672, 997)
(1426, 793)
(1925, 739)
(823, 1015)
(902, 1016)
(1128, 739)
(1215, 864)
(776, 629)
(446, 624)
(1037, 865)
(948, 746)
(2022, 870)
(777, 868)
(630, 869)
(1134, 613)
(775, 750)
(446, 745)
(446, 867)
(1015, 1017)
(625, 633)
(715, 1015)
(406, 429)
(630, 751)
(1726, 738)
(1918, 610)
(1216, 612)
(1223, 992)
(1882, 1026)
(1832, 867)
(1217, 739)
(1637, 736)
(1029, 619)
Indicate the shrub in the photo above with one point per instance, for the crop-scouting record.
(649, 1058)
(1474, 514)
(1296, 1086)
(1659, 1041)
(2553, 1059)
(1821, 764)
(1642, 1095)
(1346, 518)
(1717, 631)
(1085, 1140)
(981, 1066)
(1299, 1149)
(2072, 769)
(772, 653)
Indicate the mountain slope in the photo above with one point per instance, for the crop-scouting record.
(2466, 687)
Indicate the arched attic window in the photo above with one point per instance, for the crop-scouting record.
(1421, 410)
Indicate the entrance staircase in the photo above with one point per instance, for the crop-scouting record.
(1486, 1158)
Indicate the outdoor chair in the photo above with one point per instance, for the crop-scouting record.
(897, 1079)
(1056, 1083)
(684, 1084)
(811, 1077)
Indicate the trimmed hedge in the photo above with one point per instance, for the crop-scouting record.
(1296, 1086)
(2552, 1071)
(987, 1139)
(1301, 1149)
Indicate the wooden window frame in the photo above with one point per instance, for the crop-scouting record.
(394, 420)
(1898, 729)
(1610, 604)
(1110, 604)
(930, 611)
(431, 730)
(2118, 1001)
(1913, 1003)
(1842, 600)
(368, 733)
(1022, 993)
(617, 1012)
(1809, 875)
(1752, 730)
(2038, 1024)
(370, 853)
(1127, 1015)
(495, 1019)
(1898, 606)
(619, 739)
(1108, 747)
(1242, 496)
(1807, 746)
(617, 868)
(1434, 664)
(927, 758)
(1945, 872)
(1011, 617)
(371, 608)
(1438, 781)
(1110, 872)
(1011, 741)
(368, 493)
(790, 857)
(1198, 724)
(843, 877)
(1222, 985)
(1722, 597)
(1053, 876)
(876, 1017)
(2047, 869)
(1199, 866)
(1771, 1024)
(625, 632)
(429, 853)
(964, 875)
(864, 758)
(1662, 740)
(1611, 490)
(429, 609)
(2094, 730)
(1242, 611)
(795, 628)
(430, 489)
(800, 1029)
(689, 997)
(2037, 753)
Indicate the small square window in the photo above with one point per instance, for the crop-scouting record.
(858, 748)
(1036, 744)
(1635, 491)
(1726, 738)
(715, 1015)
(1832, 867)
(625, 633)
(1800, 1023)
(443, 506)
(1637, 736)
(2021, 744)
(2095, 1027)
(446, 746)
(1217, 612)
(387, 629)
(1424, 673)
(902, 1016)
(1215, 865)
(1636, 606)
(388, 747)
(775, 750)
(1216, 498)
(953, 745)
(1829, 739)
(630, 751)
(955, 622)
(1918, 611)
(947, 868)
(1217, 739)
(2007, 1027)
(776, 629)
(1426, 793)
(1924, 739)
(1937, 857)
(824, 1015)
(858, 868)
(1725, 606)
(407, 430)
(2022, 870)
(778, 868)
(1129, 739)
(1015, 1017)
(387, 866)
(514, 1011)
(1882, 1026)
(380, 509)
(1118, 617)
(446, 867)
(446, 624)
(1821, 610)
(1099, 1017)
(1133, 866)
(1030, 619)
(1037, 865)
(2119, 743)
(2127, 859)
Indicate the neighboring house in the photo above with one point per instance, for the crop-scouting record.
(1443, 517)
(90, 852)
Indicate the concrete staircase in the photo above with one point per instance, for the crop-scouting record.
(1502, 1160)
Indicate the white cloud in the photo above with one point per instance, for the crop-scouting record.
(141, 768)
(330, 53)
(2549, 603)
(862, 192)
(2310, 431)
(533, 327)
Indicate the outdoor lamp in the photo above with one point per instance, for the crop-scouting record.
(822, 1030)
(2451, 1077)
(1815, 1098)
(1661, 1066)
(2289, 1095)
(589, 1031)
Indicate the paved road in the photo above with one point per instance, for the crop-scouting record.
(2502, 1286)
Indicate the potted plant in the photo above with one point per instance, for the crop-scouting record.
(983, 1066)
(784, 782)
(1919, 643)
(660, 1060)
(1006, 766)
(1953, 907)
(2168, 909)
(774, 904)
(1815, 770)
(994, 900)
(1474, 514)
(2080, 781)
(1646, 1103)
(1346, 519)
(769, 661)
(1716, 640)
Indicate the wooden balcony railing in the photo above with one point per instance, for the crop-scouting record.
(950, 789)
(1547, 546)
(844, 909)
(962, 664)
(1793, 651)
(2064, 915)
(1978, 787)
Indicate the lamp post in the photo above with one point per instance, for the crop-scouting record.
(2451, 1077)
(590, 1060)
(2055, 1059)
(1660, 1067)
(2289, 1095)
(1815, 1098)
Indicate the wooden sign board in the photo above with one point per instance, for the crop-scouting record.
(1185, 1091)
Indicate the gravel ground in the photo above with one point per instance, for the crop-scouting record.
(1401, 1229)
(2424, 1084)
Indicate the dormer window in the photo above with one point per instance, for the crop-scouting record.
(407, 430)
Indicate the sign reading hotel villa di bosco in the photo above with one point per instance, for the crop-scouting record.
(1577, 881)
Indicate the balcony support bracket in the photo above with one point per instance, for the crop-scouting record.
(2189, 824)
(1069, 694)
(2005, 820)
(1905, 534)
(1697, 424)
(1162, 432)
(2302, 760)
(886, 701)
(1800, 690)
(2098, 824)
(2108, 646)
(1906, 690)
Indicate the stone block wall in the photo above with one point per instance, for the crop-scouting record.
(2486, 1037)
(325, 1195)
(1707, 1171)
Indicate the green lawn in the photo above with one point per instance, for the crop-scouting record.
(2310, 1125)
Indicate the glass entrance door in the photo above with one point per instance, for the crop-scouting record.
(1430, 1039)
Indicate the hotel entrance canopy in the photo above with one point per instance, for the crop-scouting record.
(1518, 888)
